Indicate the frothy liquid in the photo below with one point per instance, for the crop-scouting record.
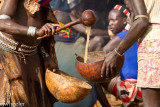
(87, 43)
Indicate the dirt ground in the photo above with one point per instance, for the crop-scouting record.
(115, 102)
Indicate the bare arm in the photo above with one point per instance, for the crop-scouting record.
(79, 27)
(6, 25)
(112, 44)
(82, 28)
(9, 26)
(137, 29)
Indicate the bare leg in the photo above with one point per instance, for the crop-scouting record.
(131, 105)
(151, 97)
(101, 95)
(97, 43)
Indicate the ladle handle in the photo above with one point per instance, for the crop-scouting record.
(64, 26)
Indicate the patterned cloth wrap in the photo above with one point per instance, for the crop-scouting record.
(149, 58)
(43, 2)
(125, 89)
(149, 64)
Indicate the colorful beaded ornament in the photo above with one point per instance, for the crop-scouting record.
(43, 2)
(66, 31)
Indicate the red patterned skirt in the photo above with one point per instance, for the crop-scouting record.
(126, 90)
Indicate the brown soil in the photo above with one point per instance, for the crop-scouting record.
(115, 102)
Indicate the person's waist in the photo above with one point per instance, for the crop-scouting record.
(13, 46)
(154, 25)
(152, 32)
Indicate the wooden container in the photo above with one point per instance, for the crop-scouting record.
(66, 88)
(91, 70)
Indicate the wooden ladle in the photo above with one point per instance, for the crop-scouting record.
(88, 18)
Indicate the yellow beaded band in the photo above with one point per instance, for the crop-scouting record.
(118, 53)
(140, 16)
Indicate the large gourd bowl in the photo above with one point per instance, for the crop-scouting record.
(66, 88)
(91, 70)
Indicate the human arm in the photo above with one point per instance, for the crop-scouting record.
(82, 28)
(47, 47)
(112, 44)
(9, 8)
(48, 61)
(98, 32)
(137, 29)
(15, 27)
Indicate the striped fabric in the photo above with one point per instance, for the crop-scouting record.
(123, 9)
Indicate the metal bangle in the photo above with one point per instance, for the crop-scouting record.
(140, 16)
(31, 31)
(4, 16)
(118, 53)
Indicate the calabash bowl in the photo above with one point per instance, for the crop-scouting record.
(91, 70)
(66, 88)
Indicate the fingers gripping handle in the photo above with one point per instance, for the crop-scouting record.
(63, 27)
(88, 18)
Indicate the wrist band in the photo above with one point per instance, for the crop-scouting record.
(43, 52)
(31, 31)
(118, 53)
(3, 16)
(140, 16)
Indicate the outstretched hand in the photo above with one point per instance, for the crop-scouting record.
(112, 65)
(48, 29)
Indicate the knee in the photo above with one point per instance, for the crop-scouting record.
(96, 43)
(98, 39)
